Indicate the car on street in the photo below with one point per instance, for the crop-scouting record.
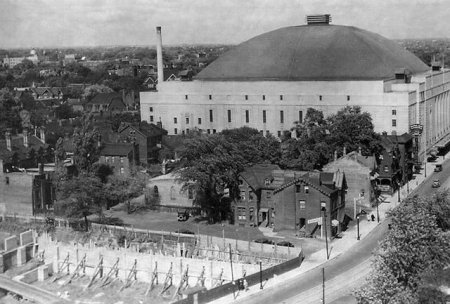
(436, 183)
(184, 231)
(264, 241)
(183, 216)
(438, 168)
(285, 244)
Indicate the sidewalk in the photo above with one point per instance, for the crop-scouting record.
(341, 245)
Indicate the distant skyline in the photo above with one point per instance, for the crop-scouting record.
(71, 23)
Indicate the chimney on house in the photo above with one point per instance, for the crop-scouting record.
(335, 155)
(159, 54)
(8, 139)
(164, 167)
(99, 140)
(42, 134)
(25, 137)
(345, 150)
(360, 150)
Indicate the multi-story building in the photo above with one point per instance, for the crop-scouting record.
(269, 82)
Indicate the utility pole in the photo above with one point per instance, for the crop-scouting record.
(260, 275)
(324, 225)
(231, 265)
(323, 285)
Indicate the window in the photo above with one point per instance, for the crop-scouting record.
(151, 109)
(264, 97)
(190, 193)
(107, 159)
(250, 195)
(266, 181)
(151, 118)
(269, 194)
(394, 112)
(7, 180)
(172, 193)
(348, 97)
(199, 121)
(306, 189)
(229, 115)
(386, 169)
(247, 116)
(186, 97)
(242, 216)
(242, 195)
(121, 159)
(279, 133)
(175, 120)
(187, 120)
(281, 97)
(208, 131)
(281, 116)
(251, 214)
(264, 116)
(210, 97)
(187, 131)
(175, 131)
(211, 118)
(320, 97)
(246, 97)
(267, 132)
(298, 188)
(394, 122)
(302, 204)
(214, 131)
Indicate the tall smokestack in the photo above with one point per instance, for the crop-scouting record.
(159, 54)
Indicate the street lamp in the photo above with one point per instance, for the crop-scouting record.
(324, 224)
(363, 212)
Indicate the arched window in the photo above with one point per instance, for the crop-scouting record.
(155, 190)
(172, 193)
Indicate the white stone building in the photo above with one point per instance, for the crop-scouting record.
(270, 81)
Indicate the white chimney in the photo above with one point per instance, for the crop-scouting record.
(8, 140)
(159, 56)
(42, 134)
(25, 137)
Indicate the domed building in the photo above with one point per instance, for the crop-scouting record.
(269, 82)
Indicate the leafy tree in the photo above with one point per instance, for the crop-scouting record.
(81, 196)
(86, 145)
(123, 189)
(9, 114)
(210, 164)
(102, 171)
(414, 248)
(91, 91)
(64, 111)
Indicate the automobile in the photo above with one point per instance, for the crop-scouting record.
(438, 168)
(183, 216)
(436, 183)
(184, 231)
(285, 244)
(264, 241)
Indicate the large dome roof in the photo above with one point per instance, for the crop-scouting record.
(313, 52)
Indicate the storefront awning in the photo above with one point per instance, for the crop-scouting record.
(443, 142)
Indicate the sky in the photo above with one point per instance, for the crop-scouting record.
(66, 23)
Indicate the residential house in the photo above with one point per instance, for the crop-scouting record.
(305, 200)
(121, 156)
(106, 103)
(171, 195)
(360, 172)
(76, 104)
(47, 93)
(147, 136)
(24, 150)
(396, 161)
(255, 206)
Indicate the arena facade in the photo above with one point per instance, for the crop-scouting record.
(269, 82)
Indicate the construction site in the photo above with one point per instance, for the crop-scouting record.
(120, 265)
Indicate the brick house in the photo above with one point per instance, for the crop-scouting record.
(396, 161)
(106, 103)
(121, 156)
(254, 207)
(359, 173)
(299, 198)
(147, 136)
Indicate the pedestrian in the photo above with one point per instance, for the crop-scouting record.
(245, 285)
(372, 217)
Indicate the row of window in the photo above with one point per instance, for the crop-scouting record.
(263, 97)
(114, 158)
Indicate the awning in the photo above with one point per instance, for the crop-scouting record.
(443, 142)
(263, 209)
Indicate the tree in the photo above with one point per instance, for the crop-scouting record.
(64, 111)
(9, 114)
(86, 145)
(210, 164)
(414, 247)
(81, 196)
(123, 189)
(91, 91)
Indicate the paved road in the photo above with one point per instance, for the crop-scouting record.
(29, 292)
(344, 272)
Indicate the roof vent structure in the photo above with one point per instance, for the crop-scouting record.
(318, 19)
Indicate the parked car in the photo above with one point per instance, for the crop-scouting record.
(183, 216)
(436, 183)
(285, 244)
(438, 168)
(264, 241)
